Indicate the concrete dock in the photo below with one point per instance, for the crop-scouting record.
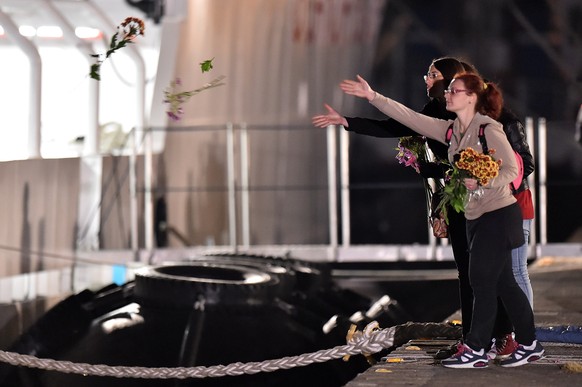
(557, 285)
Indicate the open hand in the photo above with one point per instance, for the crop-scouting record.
(471, 184)
(359, 88)
(331, 118)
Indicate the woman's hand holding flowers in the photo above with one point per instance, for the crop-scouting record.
(474, 190)
(471, 184)
(470, 172)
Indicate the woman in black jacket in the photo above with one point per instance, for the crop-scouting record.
(440, 73)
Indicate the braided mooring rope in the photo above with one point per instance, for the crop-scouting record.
(368, 342)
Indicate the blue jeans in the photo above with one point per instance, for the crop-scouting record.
(519, 263)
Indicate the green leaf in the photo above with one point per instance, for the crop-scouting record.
(206, 65)
(95, 71)
(113, 40)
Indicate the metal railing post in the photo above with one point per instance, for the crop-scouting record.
(230, 176)
(244, 177)
(345, 186)
(530, 134)
(133, 202)
(332, 184)
(542, 169)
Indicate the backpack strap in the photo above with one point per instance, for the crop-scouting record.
(449, 134)
(482, 139)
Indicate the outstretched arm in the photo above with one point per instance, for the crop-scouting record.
(359, 88)
(377, 128)
(421, 124)
(388, 128)
(331, 118)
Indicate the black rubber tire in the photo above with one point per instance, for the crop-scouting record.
(309, 276)
(185, 284)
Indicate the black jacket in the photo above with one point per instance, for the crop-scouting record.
(515, 132)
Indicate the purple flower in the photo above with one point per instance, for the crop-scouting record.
(175, 99)
(173, 116)
(410, 149)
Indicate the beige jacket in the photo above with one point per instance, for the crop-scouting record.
(497, 193)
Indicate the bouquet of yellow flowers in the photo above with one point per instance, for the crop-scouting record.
(479, 166)
(468, 164)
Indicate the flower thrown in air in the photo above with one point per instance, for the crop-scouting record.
(127, 31)
(175, 99)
